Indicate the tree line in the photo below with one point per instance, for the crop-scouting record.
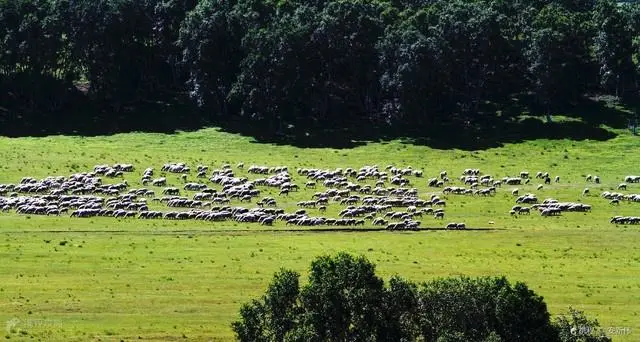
(308, 65)
(344, 300)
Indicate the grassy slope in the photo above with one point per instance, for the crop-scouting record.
(148, 280)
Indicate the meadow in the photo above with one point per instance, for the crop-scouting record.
(122, 279)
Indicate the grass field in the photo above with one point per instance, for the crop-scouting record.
(103, 278)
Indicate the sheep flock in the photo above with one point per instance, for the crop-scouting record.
(388, 197)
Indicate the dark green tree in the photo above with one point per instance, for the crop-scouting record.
(210, 41)
(31, 39)
(614, 48)
(477, 309)
(276, 315)
(121, 57)
(275, 81)
(343, 300)
(574, 326)
(558, 54)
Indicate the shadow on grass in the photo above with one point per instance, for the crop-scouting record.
(487, 129)
(443, 137)
(88, 120)
(510, 132)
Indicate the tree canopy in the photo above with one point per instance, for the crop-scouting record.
(311, 65)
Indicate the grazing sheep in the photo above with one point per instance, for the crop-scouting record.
(622, 186)
(171, 191)
(585, 191)
(596, 179)
(539, 187)
(159, 182)
(589, 178)
(379, 221)
(632, 179)
(514, 192)
(557, 179)
(513, 181)
(614, 201)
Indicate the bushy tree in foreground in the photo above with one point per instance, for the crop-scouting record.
(344, 300)
(576, 327)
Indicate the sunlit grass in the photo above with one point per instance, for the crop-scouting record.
(124, 279)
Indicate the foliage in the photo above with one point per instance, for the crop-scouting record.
(576, 327)
(313, 65)
(345, 300)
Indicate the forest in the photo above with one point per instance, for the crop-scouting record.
(296, 68)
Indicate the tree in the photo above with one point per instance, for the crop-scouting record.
(168, 16)
(210, 42)
(345, 39)
(558, 54)
(314, 65)
(121, 56)
(36, 70)
(576, 327)
(31, 39)
(344, 300)
(276, 315)
(411, 78)
(484, 307)
(614, 47)
(274, 83)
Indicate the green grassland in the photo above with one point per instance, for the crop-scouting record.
(109, 279)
